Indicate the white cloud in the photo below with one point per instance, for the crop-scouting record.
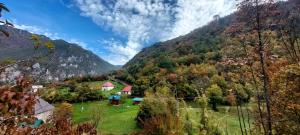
(142, 21)
(138, 21)
(191, 14)
(37, 30)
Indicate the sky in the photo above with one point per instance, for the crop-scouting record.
(115, 30)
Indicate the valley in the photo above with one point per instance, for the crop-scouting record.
(160, 67)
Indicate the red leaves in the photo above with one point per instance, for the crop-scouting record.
(16, 100)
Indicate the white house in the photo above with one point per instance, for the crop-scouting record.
(35, 88)
(107, 86)
(42, 109)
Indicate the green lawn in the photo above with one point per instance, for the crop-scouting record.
(226, 118)
(117, 120)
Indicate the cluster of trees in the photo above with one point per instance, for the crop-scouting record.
(269, 59)
(71, 92)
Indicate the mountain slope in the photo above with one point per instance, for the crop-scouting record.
(184, 57)
(196, 61)
(201, 40)
(67, 60)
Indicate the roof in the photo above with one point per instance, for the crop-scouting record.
(37, 86)
(127, 88)
(137, 99)
(42, 106)
(108, 84)
(114, 97)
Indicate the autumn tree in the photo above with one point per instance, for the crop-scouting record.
(285, 98)
(288, 33)
(252, 17)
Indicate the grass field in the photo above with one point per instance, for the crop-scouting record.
(117, 120)
(226, 118)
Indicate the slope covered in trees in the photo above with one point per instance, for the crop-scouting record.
(211, 52)
(251, 55)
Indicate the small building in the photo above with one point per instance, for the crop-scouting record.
(119, 93)
(127, 90)
(107, 86)
(114, 99)
(137, 101)
(35, 88)
(42, 109)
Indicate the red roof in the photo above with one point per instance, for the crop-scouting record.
(127, 88)
(108, 84)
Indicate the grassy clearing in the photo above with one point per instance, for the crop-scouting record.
(116, 119)
(120, 119)
(226, 118)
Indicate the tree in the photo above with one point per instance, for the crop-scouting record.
(219, 80)
(285, 99)
(6, 23)
(288, 33)
(215, 95)
(253, 13)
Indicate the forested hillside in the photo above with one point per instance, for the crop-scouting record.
(237, 75)
(248, 56)
(211, 53)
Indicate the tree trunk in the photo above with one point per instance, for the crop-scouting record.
(265, 76)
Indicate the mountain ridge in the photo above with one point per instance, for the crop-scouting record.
(68, 59)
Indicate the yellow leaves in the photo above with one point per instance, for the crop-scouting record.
(49, 45)
(38, 43)
(202, 70)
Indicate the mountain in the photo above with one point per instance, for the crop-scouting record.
(161, 64)
(197, 60)
(67, 60)
(198, 42)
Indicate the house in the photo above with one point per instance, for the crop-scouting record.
(35, 88)
(137, 101)
(107, 86)
(42, 109)
(127, 90)
(114, 99)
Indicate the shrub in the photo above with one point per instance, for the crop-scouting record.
(158, 115)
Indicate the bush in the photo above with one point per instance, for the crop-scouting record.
(158, 115)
